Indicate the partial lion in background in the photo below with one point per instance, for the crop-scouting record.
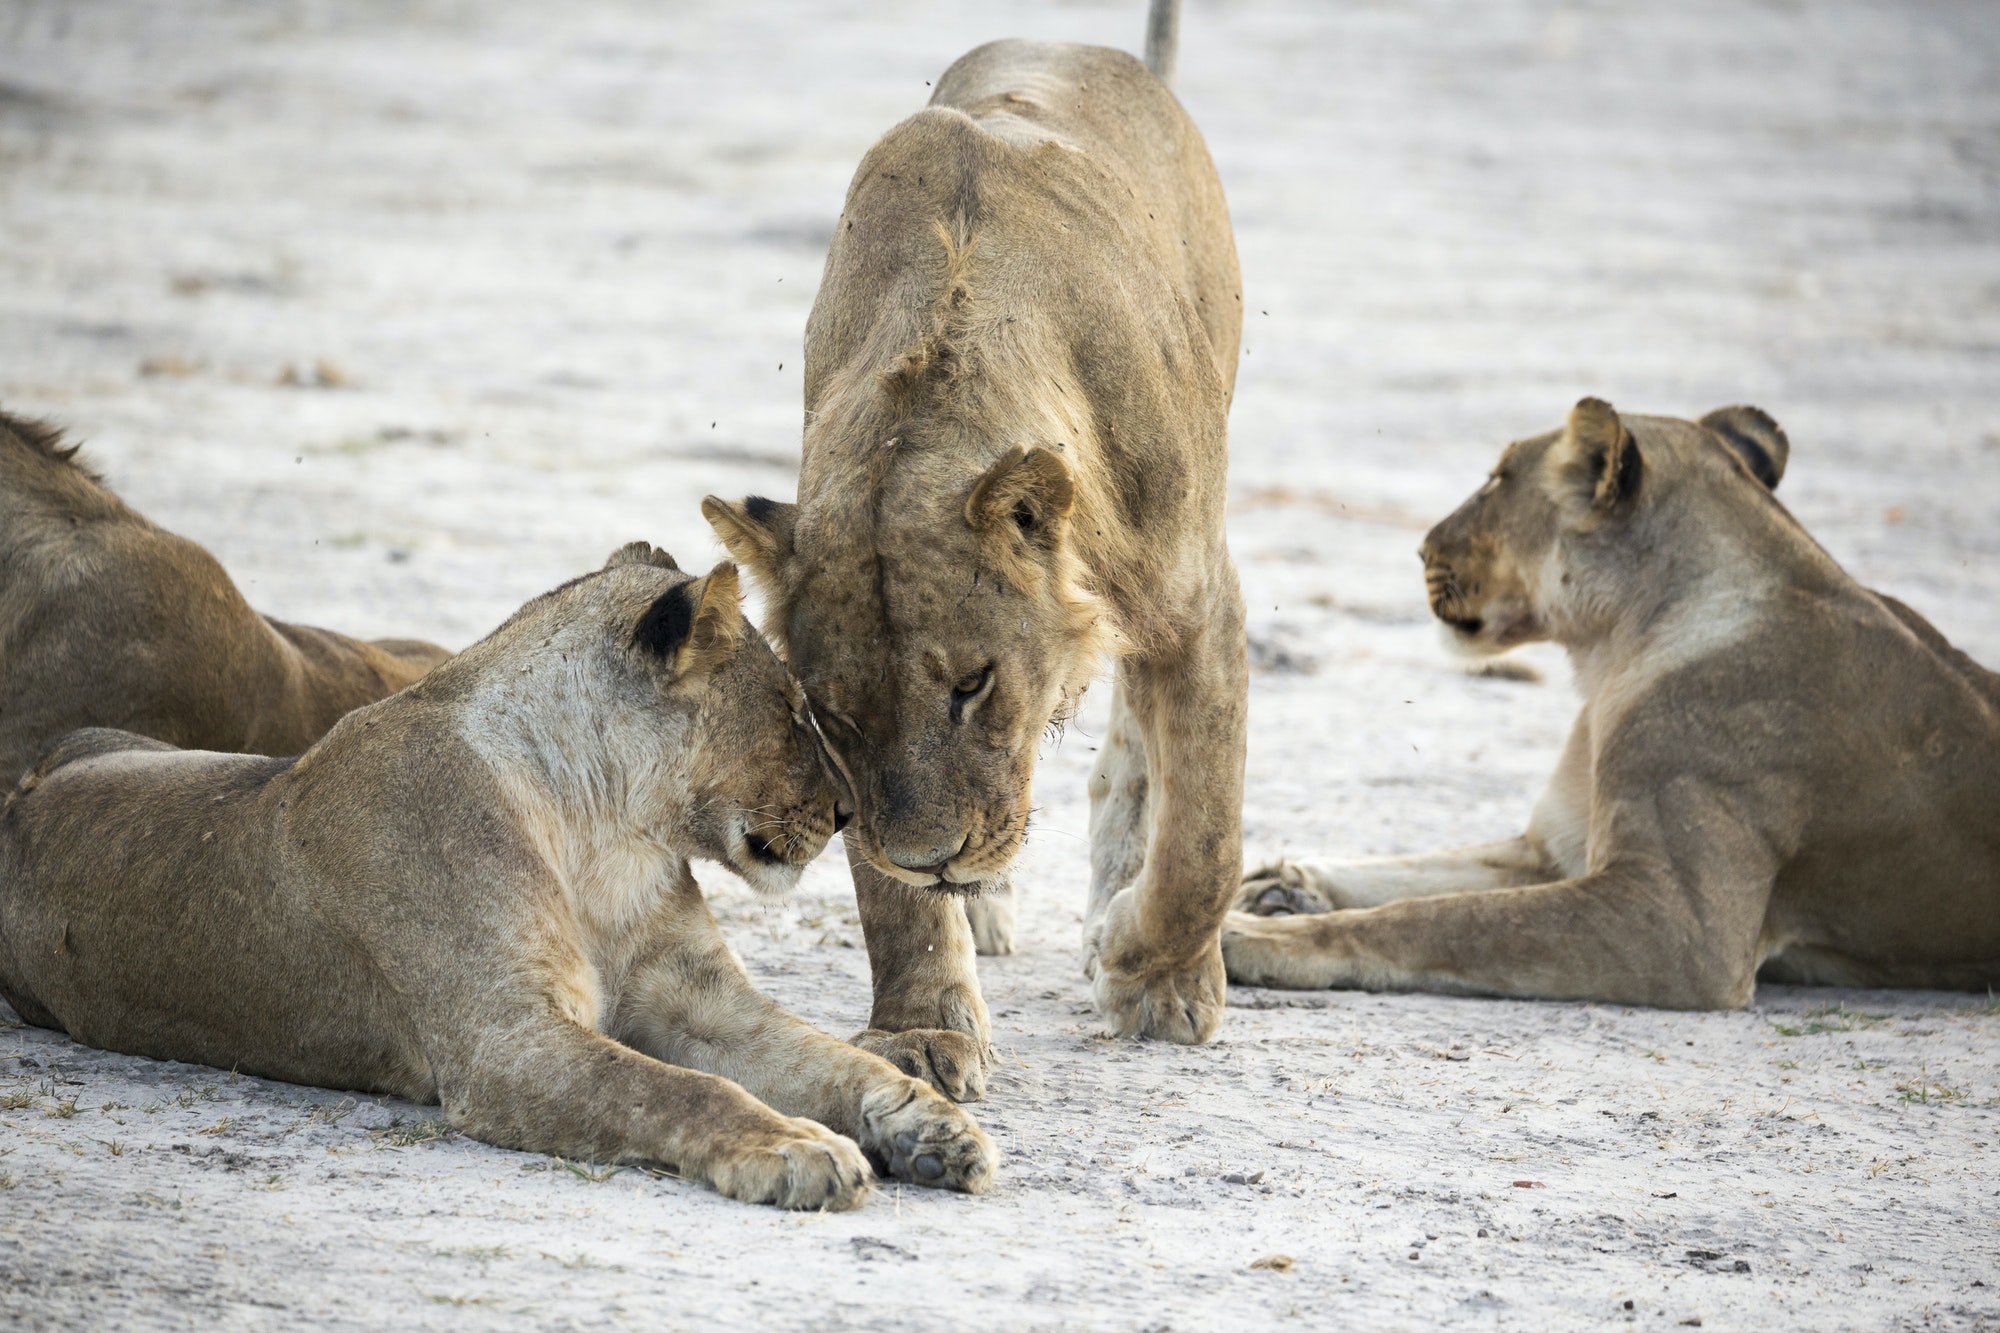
(1018, 374)
(1777, 773)
(477, 893)
(109, 621)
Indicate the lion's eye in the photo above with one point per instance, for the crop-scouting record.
(969, 689)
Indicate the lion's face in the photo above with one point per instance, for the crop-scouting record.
(937, 638)
(1483, 565)
(1542, 548)
(766, 800)
(752, 787)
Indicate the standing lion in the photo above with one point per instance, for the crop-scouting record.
(1776, 772)
(1018, 374)
(107, 620)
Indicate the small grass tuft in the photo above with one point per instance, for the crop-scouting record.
(1825, 1018)
(479, 1254)
(1922, 1092)
(186, 1099)
(589, 1171)
(581, 1262)
(401, 1134)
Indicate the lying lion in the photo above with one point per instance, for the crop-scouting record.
(109, 621)
(1018, 373)
(1777, 773)
(477, 893)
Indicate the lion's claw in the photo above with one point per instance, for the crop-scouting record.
(1182, 1006)
(914, 1134)
(952, 1062)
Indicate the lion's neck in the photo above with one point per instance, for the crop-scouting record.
(581, 777)
(1658, 630)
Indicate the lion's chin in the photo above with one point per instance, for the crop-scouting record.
(768, 880)
(769, 875)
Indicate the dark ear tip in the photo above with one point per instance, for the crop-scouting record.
(667, 622)
(1755, 436)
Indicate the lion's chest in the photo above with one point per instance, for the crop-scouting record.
(614, 905)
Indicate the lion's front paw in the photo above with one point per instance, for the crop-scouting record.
(1282, 889)
(802, 1165)
(913, 1134)
(952, 1062)
(1276, 952)
(1180, 1004)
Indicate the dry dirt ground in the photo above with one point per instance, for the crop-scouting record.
(410, 311)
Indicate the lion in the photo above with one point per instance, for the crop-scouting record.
(477, 893)
(1018, 374)
(1777, 774)
(109, 621)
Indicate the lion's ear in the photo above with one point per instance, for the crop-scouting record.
(1602, 453)
(757, 532)
(1028, 491)
(693, 626)
(1759, 441)
(641, 553)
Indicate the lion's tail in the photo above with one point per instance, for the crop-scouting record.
(1163, 38)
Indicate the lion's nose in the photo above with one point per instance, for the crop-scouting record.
(928, 861)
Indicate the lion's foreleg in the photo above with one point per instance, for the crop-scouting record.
(1672, 918)
(544, 1084)
(1153, 951)
(928, 1019)
(1304, 885)
(692, 1005)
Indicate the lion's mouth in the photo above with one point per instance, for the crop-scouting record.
(1449, 602)
(761, 849)
(970, 872)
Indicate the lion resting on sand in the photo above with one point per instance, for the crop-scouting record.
(1018, 373)
(109, 621)
(477, 893)
(1777, 773)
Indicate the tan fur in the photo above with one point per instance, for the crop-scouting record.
(1018, 373)
(109, 621)
(478, 893)
(1777, 773)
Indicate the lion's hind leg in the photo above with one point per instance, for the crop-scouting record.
(1321, 884)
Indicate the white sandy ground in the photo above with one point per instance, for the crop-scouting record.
(561, 256)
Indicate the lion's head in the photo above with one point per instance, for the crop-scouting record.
(938, 620)
(1568, 522)
(750, 785)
